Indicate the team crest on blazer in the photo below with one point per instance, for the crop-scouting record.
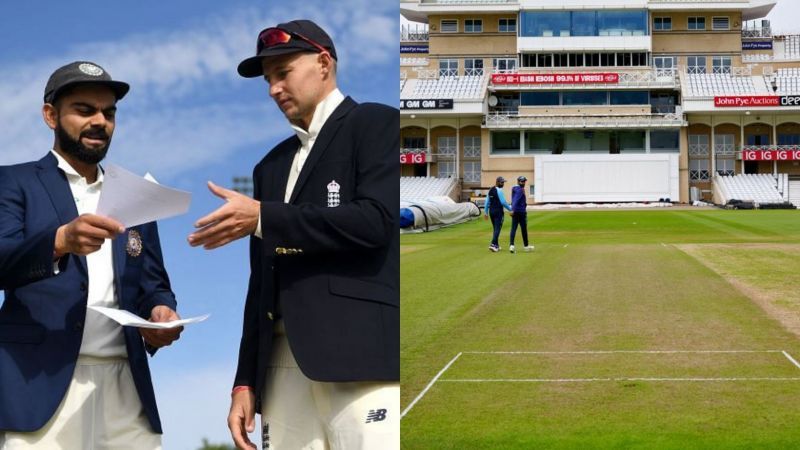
(134, 246)
(333, 194)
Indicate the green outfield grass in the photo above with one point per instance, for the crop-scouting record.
(612, 331)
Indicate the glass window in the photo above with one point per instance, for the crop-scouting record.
(472, 146)
(560, 60)
(449, 26)
(507, 26)
(472, 171)
(473, 67)
(662, 23)
(622, 23)
(507, 102)
(697, 23)
(447, 169)
(545, 23)
(448, 67)
(585, 98)
(725, 166)
(789, 139)
(540, 141)
(698, 170)
(505, 142)
(698, 145)
(544, 60)
(576, 59)
(723, 143)
(505, 64)
(664, 62)
(607, 59)
(591, 59)
(720, 23)
(665, 141)
(473, 25)
(630, 98)
(446, 145)
(631, 141)
(722, 64)
(414, 142)
(583, 23)
(697, 64)
(539, 99)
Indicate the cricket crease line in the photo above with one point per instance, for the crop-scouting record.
(430, 385)
(589, 380)
(789, 357)
(604, 352)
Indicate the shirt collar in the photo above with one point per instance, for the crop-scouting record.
(72, 174)
(321, 114)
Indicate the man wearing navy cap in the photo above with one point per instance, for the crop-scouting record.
(70, 378)
(493, 208)
(319, 355)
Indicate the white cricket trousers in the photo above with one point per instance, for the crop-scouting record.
(302, 414)
(101, 411)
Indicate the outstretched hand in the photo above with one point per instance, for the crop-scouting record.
(237, 218)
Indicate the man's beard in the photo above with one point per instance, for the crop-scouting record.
(81, 152)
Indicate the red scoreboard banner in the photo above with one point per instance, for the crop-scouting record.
(555, 78)
(412, 158)
(771, 155)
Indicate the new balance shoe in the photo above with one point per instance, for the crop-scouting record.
(494, 248)
(529, 248)
(511, 248)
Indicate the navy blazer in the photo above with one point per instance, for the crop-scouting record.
(332, 272)
(42, 317)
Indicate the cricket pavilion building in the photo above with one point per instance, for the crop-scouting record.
(601, 101)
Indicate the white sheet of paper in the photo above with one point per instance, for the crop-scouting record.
(126, 318)
(134, 200)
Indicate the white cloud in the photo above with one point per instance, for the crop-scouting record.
(186, 108)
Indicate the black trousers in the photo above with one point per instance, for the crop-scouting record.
(497, 225)
(520, 219)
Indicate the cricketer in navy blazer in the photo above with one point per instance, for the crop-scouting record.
(42, 317)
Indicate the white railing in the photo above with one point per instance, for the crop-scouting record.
(698, 149)
(414, 33)
(472, 177)
(418, 62)
(447, 151)
(515, 121)
(699, 176)
(757, 32)
(425, 74)
(415, 151)
(448, 72)
(473, 72)
(472, 152)
(724, 149)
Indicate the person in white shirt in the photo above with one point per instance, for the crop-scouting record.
(70, 377)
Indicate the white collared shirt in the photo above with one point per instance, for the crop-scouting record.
(102, 337)
(307, 138)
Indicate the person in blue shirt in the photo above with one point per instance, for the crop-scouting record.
(519, 214)
(493, 207)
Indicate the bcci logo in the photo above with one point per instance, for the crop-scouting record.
(90, 69)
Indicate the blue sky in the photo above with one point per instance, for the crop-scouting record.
(188, 118)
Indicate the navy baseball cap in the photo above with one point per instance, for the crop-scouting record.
(282, 39)
(521, 179)
(81, 72)
(500, 180)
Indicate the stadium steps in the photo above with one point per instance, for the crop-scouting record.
(421, 188)
(756, 188)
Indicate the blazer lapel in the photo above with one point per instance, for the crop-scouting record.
(57, 187)
(280, 170)
(326, 135)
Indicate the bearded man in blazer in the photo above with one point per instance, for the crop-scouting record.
(70, 377)
(319, 354)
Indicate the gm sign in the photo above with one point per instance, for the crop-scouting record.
(439, 103)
